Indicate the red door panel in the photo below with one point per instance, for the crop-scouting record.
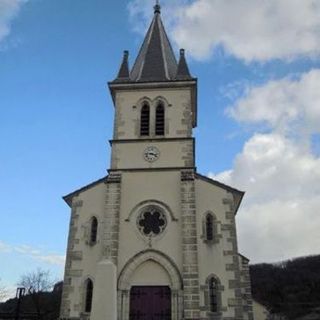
(150, 303)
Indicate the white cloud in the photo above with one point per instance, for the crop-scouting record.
(9, 291)
(287, 104)
(4, 247)
(8, 11)
(279, 229)
(24, 249)
(272, 166)
(141, 13)
(252, 30)
(38, 255)
(34, 253)
(279, 217)
(52, 259)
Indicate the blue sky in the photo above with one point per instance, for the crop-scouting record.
(257, 65)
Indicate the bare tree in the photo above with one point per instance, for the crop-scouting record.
(36, 283)
(3, 292)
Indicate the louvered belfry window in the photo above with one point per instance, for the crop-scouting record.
(89, 292)
(160, 120)
(145, 120)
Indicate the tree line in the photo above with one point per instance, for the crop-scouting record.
(291, 288)
(41, 299)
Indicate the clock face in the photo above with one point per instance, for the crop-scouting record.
(151, 154)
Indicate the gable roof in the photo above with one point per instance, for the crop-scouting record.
(237, 194)
(68, 198)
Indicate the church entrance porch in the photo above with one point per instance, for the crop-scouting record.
(150, 303)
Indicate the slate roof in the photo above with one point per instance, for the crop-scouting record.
(183, 70)
(123, 73)
(156, 60)
(68, 197)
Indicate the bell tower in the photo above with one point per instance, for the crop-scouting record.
(155, 106)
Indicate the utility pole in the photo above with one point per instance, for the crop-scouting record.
(20, 293)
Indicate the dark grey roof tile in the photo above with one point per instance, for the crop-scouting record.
(183, 70)
(123, 73)
(156, 60)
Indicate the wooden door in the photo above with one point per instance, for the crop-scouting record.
(150, 303)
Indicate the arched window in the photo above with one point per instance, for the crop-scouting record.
(89, 292)
(209, 227)
(93, 230)
(160, 120)
(213, 295)
(145, 120)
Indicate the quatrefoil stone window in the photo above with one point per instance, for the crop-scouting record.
(151, 221)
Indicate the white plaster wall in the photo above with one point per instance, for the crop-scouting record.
(172, 154)
(92, 205)
(141, 186)
(259, 311)
(150, 273)
(129, 102)
(104, 302)
(211, 256)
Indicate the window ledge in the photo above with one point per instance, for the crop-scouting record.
(214, 315)
(91, 243)
(215, 240)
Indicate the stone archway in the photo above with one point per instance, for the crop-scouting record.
(125, 276)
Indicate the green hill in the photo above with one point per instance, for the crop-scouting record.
(291, 287)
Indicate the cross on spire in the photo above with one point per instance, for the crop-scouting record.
(157, 7)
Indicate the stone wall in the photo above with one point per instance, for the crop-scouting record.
(72, 255)
(190, 272)
(110, 242)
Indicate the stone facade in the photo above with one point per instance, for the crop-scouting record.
(155, 222)
(180, 257)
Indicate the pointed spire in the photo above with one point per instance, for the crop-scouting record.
(123, 73)
(156, 60)
(183, 70)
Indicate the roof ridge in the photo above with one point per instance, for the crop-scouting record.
(146, 40)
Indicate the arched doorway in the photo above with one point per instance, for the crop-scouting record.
(150, 287)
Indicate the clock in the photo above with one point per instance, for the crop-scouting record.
(151, 154)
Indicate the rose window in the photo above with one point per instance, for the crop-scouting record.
(151, 221)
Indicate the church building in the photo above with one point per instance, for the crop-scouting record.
(154, 239)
